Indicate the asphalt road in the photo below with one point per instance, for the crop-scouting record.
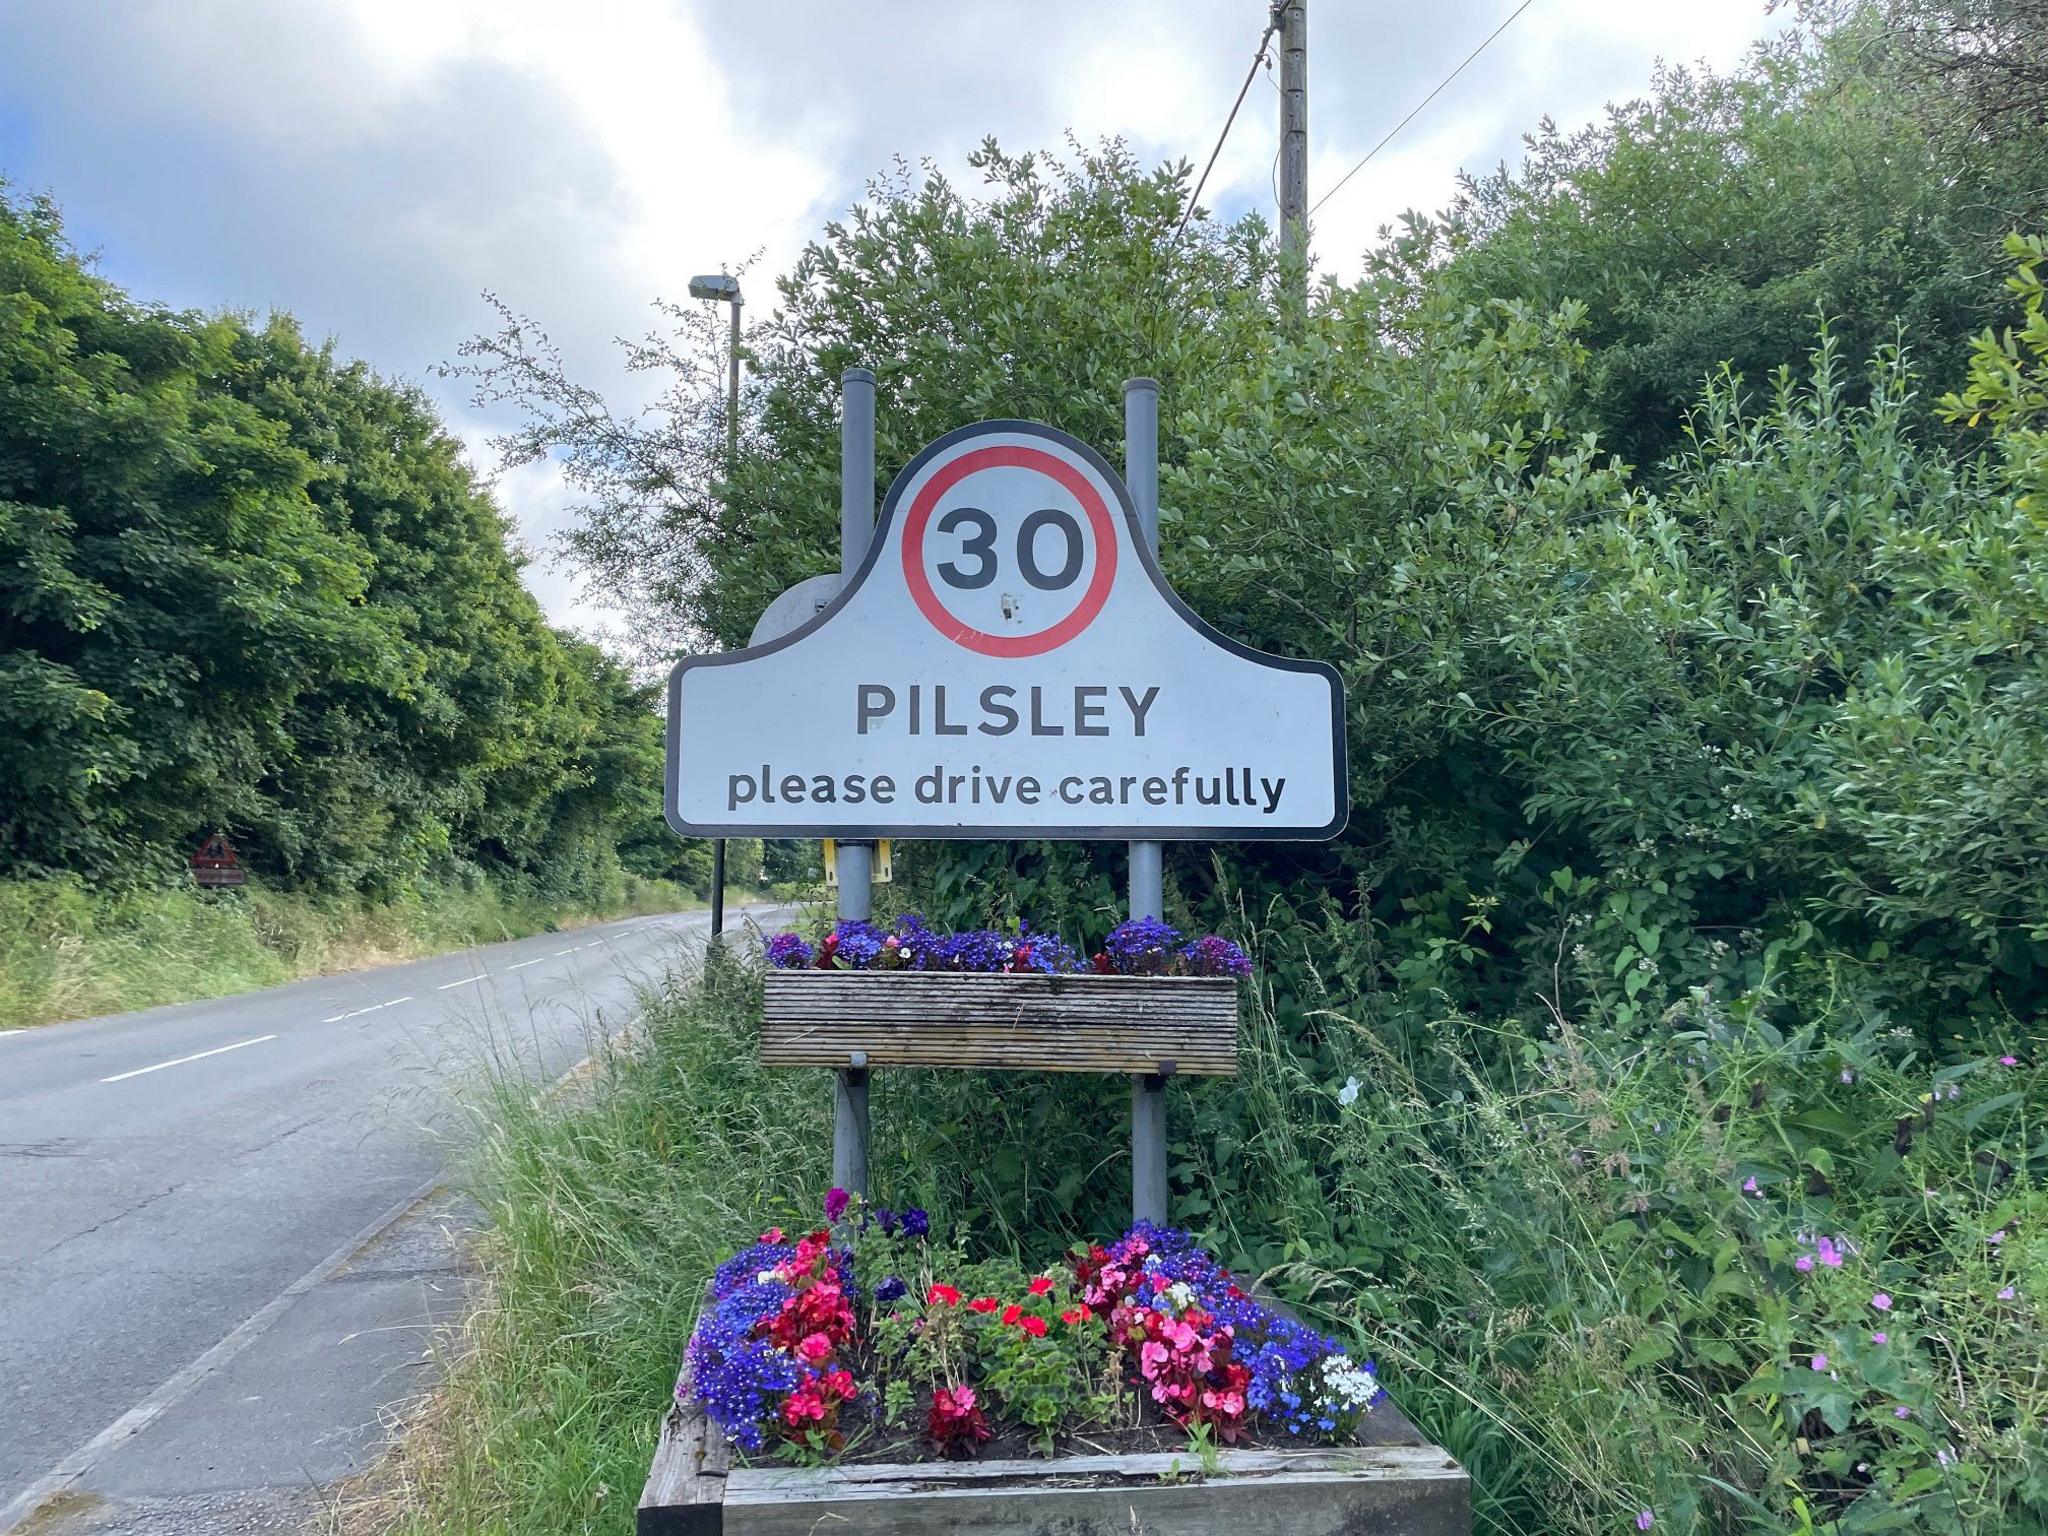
(166, 1175)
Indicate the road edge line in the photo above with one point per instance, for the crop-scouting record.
(70, 1468)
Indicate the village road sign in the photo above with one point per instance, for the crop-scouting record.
(1008, 662)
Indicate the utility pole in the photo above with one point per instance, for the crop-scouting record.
(1292, 16)
(723, 288)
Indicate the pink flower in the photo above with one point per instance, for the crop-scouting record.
(1748, 1188)
(814, 1348)
(1882, 1302)
(1644, 1520)
(2008, 1061)
(1880, 1337)
(836, 1201)
(1902, 1412)
(2006, 1294)
(1820, 1362)
(1803, 1263)
(1996, 1238)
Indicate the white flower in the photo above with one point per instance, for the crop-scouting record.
(1350, 1386)
(1348, 1094)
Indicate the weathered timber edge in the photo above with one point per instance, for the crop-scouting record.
(1169, 1025)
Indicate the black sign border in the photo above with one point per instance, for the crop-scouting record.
(861, 830)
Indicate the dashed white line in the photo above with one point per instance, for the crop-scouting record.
(479, 976)
(561, 952)
(119, 1077)
(522, 965)
(357, 1013)
(593, 944)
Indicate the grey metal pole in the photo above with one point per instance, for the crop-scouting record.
(732, 459)
(1293, 128)
(856, 860)
(1148, 864)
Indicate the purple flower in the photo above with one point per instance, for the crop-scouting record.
(1803, 1263)
(836, 1201)
(916, 1223)
(789, 952)
(1749, 1186)
(1214, 956)
(1144, 946)
(1820, 1362)
(889, 1290)
(2008, 1061)
(1902, 1412)
(859, 945)
(1880, 1337)
(1882, 1302)
(2006, 1294)
(886, 1218)
(1996, 1238)
(1644, 1520)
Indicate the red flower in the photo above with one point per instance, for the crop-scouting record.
(827, 948)
(1035, 1326)
(1011, 1313)
(1041, 1285)
(772, 1235)
(983, 1304)
(1101, 963)
(942, 1296)
(1074, 1317)
(956, 1424)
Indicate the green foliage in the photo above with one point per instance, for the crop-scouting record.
(69, 950)
(246, 586)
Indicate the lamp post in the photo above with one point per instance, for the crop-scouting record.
(723, 288)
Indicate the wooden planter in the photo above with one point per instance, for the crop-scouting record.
(1392, 1482)
(1143, 1024)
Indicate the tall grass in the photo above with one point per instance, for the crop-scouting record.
(68, 951)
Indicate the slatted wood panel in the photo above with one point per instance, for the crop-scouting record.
(1168, 1024)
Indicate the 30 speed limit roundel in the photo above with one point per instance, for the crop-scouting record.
(1009, 549)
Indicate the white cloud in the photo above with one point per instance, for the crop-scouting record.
(372, 164)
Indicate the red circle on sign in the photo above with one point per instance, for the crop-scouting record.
(1010, 456)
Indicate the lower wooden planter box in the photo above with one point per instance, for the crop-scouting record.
(1392, 1483)
(1140, 1024)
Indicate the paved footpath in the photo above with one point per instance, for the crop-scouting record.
(223, 1252)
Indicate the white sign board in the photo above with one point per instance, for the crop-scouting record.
(1008, 662)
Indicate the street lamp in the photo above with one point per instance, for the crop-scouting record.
(723, 288)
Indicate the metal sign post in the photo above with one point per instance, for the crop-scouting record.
(855, 859)
(1148, 858)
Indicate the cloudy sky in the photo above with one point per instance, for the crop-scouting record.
(372, 165)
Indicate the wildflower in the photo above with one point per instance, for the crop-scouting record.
(1749, 1186)
(1803, 1263)
(1848, 1076)
(1880, 1337)
(1944, 1456)
(1820, 1362)
(836, 1201)
(2008, 1061)
(1348, 1094)
(2006, 1294)
(1902, 1412)
(1996, 1238)
(1882, 1302)
(1644, 1519)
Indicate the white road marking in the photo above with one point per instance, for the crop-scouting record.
(522, 965)
(359, 1012)
(561, 952)
(119, 1077)
(479, 976)
(593, 944)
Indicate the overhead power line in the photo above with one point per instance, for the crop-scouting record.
(1258, 58)
(1432, 96)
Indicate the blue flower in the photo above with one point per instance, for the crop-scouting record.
(916, 1223)
(1144, 946)
(889, 1290)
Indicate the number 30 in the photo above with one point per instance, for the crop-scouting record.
(981, 544)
